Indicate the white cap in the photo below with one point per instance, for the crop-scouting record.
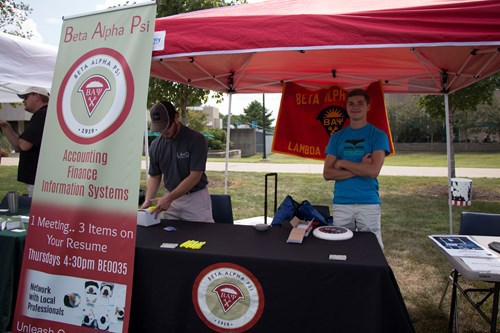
(34, 90)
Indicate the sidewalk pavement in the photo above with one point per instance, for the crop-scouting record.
(318, 169)
(386, 170)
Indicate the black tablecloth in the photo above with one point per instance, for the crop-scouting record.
(11, 258)
(304, 291)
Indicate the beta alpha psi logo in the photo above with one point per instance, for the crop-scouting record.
(332, 118)
(228, 295)
(93, 90)
(228, 298)
(95, 96)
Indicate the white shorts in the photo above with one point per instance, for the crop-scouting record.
(30, 189)
(359, 218)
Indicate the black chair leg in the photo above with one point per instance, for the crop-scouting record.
(445, 290)
(453, 307)
(494, 310)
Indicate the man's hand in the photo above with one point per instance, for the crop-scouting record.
(13, 137)
(162, 204)
(146, 204)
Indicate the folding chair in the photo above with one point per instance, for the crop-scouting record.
(222, 210)
(23, 202)
(323, 210)
(477, 224)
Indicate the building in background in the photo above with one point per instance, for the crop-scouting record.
(212, 114)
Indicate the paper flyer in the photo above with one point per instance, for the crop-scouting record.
(461, 246)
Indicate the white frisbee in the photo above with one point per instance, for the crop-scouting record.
(332, 233)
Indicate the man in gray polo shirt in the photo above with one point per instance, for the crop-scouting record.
(179, 155)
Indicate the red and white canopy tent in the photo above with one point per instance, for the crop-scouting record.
(413, 46)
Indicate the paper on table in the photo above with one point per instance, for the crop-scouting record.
(461, 246)
(296, 236)
(169, 245)
(483, 264)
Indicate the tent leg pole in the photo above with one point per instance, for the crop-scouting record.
(448, 155)
(228, 135)
(146, 148)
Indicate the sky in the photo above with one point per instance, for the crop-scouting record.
(46, 21)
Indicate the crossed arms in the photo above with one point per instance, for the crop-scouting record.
(337, 169)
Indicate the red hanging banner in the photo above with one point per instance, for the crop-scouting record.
(307, 118)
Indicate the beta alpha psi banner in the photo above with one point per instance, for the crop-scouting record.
(79, 255)
(307, 118)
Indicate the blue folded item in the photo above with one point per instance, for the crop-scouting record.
(307, 212)
(286, 211)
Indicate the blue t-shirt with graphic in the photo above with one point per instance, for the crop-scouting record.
(352, 144)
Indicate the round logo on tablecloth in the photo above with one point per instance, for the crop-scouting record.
(95, 96)
(228, 298)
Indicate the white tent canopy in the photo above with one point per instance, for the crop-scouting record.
(24, 63)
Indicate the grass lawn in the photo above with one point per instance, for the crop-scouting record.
(412, 209)
(417, 159)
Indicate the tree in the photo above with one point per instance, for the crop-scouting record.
(462, 103)
(197, 120)
(488, 121)
(253, 112)
(179, 94)
(235, 119)
(12, 17)
(217, 138)
(409, 123)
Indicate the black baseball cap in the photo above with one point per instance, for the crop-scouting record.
(162, 116)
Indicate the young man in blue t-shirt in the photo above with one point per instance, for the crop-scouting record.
(355, 156)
